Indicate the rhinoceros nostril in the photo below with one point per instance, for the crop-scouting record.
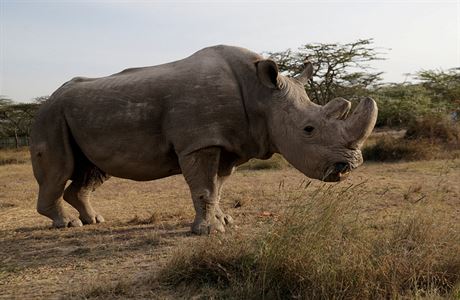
(342, 167)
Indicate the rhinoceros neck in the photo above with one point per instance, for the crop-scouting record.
(253, 100)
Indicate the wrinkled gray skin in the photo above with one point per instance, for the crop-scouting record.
(200, 116)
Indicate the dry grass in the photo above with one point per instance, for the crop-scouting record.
(326, 247)
(403, 220)
(14, 156)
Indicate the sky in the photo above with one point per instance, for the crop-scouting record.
(45, 43)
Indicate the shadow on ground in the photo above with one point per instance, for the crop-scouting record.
(35, 247)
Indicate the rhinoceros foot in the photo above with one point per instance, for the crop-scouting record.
(207, 227)
(67, 223)
(223, 218)
(216, 223)
(92, 219)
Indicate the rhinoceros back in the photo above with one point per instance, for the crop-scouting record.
(135, 123)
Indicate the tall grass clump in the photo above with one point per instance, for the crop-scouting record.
(326, 246)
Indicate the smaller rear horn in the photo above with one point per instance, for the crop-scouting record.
(361, 122)
(306, 74)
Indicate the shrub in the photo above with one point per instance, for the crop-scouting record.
(395, 149)
(427, 137)
(399, 104)
(437, 128)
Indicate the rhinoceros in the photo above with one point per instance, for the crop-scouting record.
(200, 116)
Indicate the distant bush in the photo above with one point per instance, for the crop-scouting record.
(401, 104)
(442, 85)
(395, 149)
(436, 128)
(436, 92)
(429, 136)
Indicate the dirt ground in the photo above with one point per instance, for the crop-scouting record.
(147, 222)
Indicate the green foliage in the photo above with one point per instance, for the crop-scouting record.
(442, 86)
(436, 94)
(16, 119)
(340, 70)
(401, 104)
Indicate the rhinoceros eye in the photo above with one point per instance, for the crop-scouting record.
(309, 129)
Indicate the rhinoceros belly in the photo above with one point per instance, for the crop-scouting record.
(123, 138)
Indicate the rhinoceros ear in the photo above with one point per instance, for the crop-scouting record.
(267, 71)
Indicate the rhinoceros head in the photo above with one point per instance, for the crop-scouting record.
(323, 142)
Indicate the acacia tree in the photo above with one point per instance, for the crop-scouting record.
(4, 124)
(339, 69)
(5, 101)
(443, 86)
(16, 119)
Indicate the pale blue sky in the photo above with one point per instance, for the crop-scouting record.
(45, 43)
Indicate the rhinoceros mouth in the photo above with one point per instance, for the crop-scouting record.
(337, 172)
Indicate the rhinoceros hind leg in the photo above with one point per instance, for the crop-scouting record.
(53, 164)
(49, 204)
(77, 194)
(201, 171)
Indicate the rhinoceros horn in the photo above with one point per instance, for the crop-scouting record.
(361, 122)
(306, 74)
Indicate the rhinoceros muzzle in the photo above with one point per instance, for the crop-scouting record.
(337, 172)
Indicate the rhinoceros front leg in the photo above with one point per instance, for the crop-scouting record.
(201, 171)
